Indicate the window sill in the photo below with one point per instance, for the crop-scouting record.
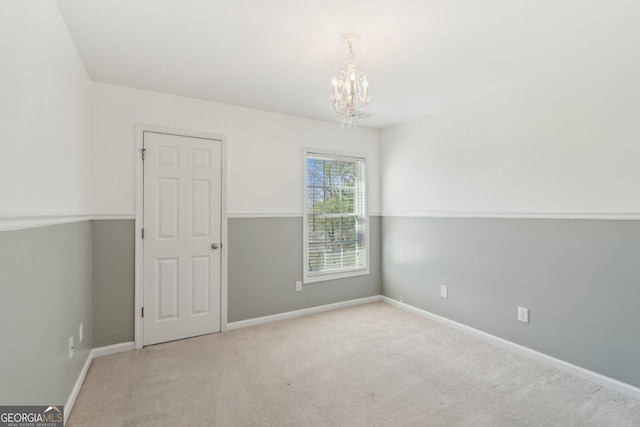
(323, 277)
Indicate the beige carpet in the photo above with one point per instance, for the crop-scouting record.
(370, 365)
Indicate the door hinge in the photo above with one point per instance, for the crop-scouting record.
(143, 233)
(143, 150)
(142, 311)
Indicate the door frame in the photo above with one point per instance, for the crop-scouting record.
(140, 129)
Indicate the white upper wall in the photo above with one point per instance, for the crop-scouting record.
(45, 155)
(562, 142)
(264, 149)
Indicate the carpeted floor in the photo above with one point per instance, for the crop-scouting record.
(369, 365)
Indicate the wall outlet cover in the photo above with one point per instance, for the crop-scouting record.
(80, 333)
(523, 314)
(70, 348)
(444, 291)
(298, 286)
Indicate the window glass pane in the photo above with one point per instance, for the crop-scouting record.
(348, 201)
(331, 201)
(350, 174)
(315, 174)
(349, 229)
(332, 255)
(349, 254)
(316, 257)
(315, 200)
(333, 229)
(316, 231)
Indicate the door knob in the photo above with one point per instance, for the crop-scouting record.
(214, 246)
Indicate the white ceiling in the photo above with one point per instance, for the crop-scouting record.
(280, 55)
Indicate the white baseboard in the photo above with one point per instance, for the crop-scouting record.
(561, 365)
(96, 352)
(298, 313)
(112, 349)
(77, 386)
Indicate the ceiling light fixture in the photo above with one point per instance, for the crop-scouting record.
(350, 98)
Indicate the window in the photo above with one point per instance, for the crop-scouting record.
(335, 220)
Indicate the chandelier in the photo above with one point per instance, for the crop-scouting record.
(350, 98)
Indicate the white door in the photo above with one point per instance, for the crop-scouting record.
(181, 244)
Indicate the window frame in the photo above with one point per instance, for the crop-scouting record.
(342, 273)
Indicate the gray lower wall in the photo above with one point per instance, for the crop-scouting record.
(113, 282)
(265, 260)
(580, 280)
(45, 293)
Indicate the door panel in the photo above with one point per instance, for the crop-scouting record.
(200, 277)
(166, 288)
(167, 213)
(200, 209)
(182, 219)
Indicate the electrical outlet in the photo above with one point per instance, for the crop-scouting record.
(80, 335)
(523, 314)
(444, 291)
(70, 348)
(298, 286)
